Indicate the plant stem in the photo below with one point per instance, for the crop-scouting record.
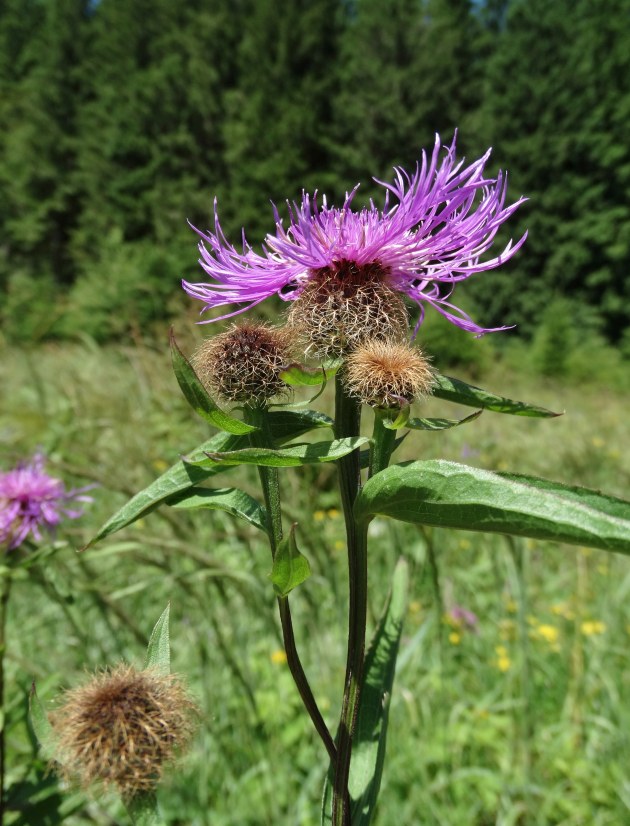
(271, 492)
(347, 423)
(383, 440)
(5, 587)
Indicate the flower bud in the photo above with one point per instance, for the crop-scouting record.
(244, 363)
(387, 374)
(122, 729)
(343, 305)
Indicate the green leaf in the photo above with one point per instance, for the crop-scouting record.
(289, 424)
(143, 810)
(181, 476)
(292, 456)
(368, 752)
(298, 375)
(400, 421)
(441, 424)
(456, 390)
(230, 500)
(158, 654)
(450, 495)
(290, 567)
(284, 424)
(197, 395)
(40, 722)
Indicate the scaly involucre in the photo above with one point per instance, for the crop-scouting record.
(388, 374)
(122, 729)
(30, 500)
(434, 229)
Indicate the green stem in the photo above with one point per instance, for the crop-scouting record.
(271, 491)
(347, 423)
(383, 440)
(5, 587)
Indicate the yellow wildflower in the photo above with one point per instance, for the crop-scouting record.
(319, 516)
(454, 638)
(504, 663)
(592, 627)
(549, 633)
(279, 657)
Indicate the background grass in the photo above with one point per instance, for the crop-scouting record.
(523, 718)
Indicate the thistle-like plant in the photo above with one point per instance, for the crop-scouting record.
(346, 273)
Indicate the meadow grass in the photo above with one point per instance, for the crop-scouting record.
(521, 719)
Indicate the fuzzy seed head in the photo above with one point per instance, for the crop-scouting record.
(244, 363)
(343, 305)
(388, 374)
(122, 729)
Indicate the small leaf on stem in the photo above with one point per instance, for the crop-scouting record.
(197, 395)
(290, 567)
(158, 654)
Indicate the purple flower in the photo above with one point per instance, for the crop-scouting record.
(30, 499)
(463, 617)
(433, 231)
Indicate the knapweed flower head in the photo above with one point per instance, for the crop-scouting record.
(387, 374)
(31, 500)
(434, 230)
(122, 729)
(244, 363)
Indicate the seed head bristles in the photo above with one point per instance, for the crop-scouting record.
(122, 729)
(244, 363)
(342, 306)
(388, 374)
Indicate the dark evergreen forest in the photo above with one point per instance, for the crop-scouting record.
(123, 119)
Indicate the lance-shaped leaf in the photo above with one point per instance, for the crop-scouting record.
(441, 424)
(284, 425)
(40, 722)
(456, 390)
(290, 567)
(291, 456)
(289, 424)
(231, 500)
(368, 751)
(197, 395)
(177, 478)
(158, 654)
(450, 495)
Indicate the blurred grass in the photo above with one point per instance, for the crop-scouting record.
(521, 720)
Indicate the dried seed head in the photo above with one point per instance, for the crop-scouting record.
(343, 305)
(244, 363)
(387, 374)
(122, 729)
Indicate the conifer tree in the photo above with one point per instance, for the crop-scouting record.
(557, 104)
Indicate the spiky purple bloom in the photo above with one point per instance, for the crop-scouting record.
(444, 218)
(30, 499)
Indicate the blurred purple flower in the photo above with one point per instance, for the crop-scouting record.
(30, 499)
(463, 617)
(468, 452)
(444, 218)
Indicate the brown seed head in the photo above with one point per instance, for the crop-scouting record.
(122, 728)
(387, 374)
(343, 305)
(244, 363)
